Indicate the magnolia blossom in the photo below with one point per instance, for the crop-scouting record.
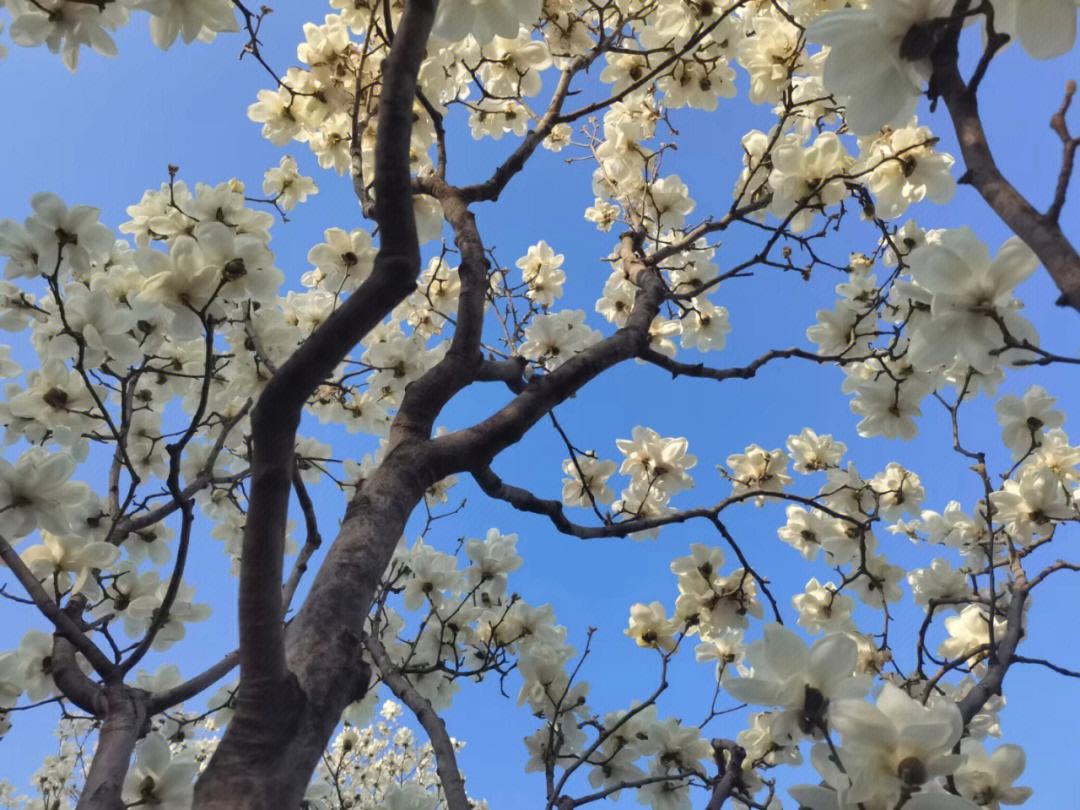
(878, 58)
(1024, 420)
(158, 779)
(541, 268)
(801, 682)
(758, 470)
(971, 300)
(811, 452)
(36, 491)
(650, 627)
(286, 186)
(484, 19)
(587, 481)
(987, 779)
(823, 609)
(1045, 28)
(969, 634)
(896, 747)
(189, 19)
(657, 461)
(60, 559)
(1030, 505)
(553, 339)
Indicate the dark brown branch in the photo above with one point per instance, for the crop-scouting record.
(446, 765)
(64, 624)
(1040, 231)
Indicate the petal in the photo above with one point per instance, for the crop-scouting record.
(1047, 28)
(832, 660)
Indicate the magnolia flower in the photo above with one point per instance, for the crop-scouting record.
(657, 461)
(800, 682)
(1045, 28)
(905, 169)
(59, 558)
(157, 778)
(987, 779)
(705, 327)
(484, 19)
(896, 747)
(493, 558)
(66, 26)
(554, 339)
(878, 58)
(541, 269)
(588, 477)
(823, 609)
(35, 492)
(969, 634)
(811, 452)
(189, 19)
(342, 262)
(650, 627)
(71, 234)
(1024, 419)
(285, 185)
(969, 295)
(431, 573)
(898, 491)
(1029, 506)
(758, 470)
(939, 581)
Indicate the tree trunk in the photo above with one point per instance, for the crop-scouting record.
(125, 723)
(281, 729)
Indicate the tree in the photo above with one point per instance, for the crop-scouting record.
(172, 369)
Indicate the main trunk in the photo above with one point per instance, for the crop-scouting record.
(280, 729)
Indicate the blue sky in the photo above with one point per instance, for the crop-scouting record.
(106, 134)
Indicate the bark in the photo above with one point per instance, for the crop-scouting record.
(267, 755)
(294, 686)
(125, 723)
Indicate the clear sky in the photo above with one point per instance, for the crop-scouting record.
(104, 135)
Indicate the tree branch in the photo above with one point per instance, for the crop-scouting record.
(453, 784)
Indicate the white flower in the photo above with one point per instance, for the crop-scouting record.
(823, 609)
(650, 627)
(811, 452)
(939, 581)
(758, 469)
(1029, 506)
(800, 681)
(484, 19)
(588, 477)
(157, 778)
(905, 169)
(1024, 419)
(896, 747)
(61, 556)
(1045, 28)
(705, 327)
(969, 293)
(969, 634)
(554, 339)
(657, 461)
(898, 491)
(35, 492)
(987, 779)
(285, 185)
(189, 19)
(878, 58)
(541, 269)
